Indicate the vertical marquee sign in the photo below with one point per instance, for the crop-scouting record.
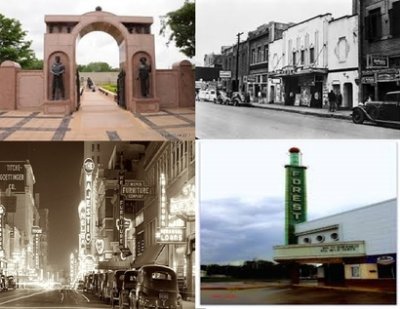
(88, 166)
(295, 199)
(36, 232)
(2, 214)
(121, 222)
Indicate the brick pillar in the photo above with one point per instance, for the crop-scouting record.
(8, 85)
(186, 90)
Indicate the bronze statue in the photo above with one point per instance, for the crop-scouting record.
(58, 69)
(144, 76)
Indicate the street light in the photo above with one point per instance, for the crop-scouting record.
(237, 62)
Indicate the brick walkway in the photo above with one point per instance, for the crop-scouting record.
(98, 119)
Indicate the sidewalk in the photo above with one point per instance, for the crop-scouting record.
(320, 112)
(99, 118)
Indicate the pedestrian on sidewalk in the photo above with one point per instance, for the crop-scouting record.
(332, 101)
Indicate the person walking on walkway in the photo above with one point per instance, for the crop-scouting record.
(332, 101)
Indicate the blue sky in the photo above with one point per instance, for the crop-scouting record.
(242, 189)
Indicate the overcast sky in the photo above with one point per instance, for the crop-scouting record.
(242, 187)
(218, 21)
(96, 46)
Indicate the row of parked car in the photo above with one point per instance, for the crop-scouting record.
(7, 283)
(151, 286)
(222, 97)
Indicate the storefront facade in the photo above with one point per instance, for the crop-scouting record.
(379, 40)
(353, 248)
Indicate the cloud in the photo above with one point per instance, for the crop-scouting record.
(232, 230)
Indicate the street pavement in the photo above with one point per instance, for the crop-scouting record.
(214, 121)
(98, 118)
(42, 298)
(292, 295)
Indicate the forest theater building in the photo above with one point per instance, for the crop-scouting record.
(352, 248)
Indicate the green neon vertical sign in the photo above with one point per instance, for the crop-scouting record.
(295, 200)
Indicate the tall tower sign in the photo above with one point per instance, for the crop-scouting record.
(295, 197)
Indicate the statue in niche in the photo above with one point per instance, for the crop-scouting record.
(144, 76)
(58, 69)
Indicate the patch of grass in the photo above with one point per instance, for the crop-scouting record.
(110, 87)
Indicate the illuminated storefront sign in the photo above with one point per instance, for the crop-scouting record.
(120, 221)
(12, 176)
(163, 222)
(170, 235)
(36, 231)
(88, 167)
(82, 220)
(134, 190)
(184, 204)
(296, 204)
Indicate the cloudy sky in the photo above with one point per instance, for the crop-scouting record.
(218, 21)
(31, 15)
(242, 188)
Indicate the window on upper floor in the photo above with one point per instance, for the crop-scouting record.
(253, 55)
(394, 16)
(294, 58)
(259, 54)
(265, 52)
(373, 25)
(312, 57)
(302, 55)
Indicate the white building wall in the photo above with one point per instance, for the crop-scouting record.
(306, 35)
(375, 224)
(343, 58)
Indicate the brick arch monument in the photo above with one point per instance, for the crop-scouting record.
(132, 34)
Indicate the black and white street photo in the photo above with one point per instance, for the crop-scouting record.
(298, 69)
(97, 224)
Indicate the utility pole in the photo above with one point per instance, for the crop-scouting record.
(237, 62)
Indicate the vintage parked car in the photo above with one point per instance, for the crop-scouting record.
(209, 95)
(222, 97)
(380, 112)
(240, 98)
(106, 288)
(118, 278)
(157, 287)
(129, 283)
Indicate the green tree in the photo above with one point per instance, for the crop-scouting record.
(95, 67)
(13, 45)
(182, 26)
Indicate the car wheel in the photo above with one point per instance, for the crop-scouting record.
(358, 116)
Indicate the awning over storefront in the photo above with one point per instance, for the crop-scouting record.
(114, 265)
(297, 72)
(157, 254)
(319, 252)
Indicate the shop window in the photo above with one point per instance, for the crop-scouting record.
(373, 25)
(311, 55)
(355, 271)
(394, 16)
(320, 238)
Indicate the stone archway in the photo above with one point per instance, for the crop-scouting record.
(132, 34)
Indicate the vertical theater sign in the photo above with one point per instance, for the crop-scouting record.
(296, 202)
(36, 232)
(88, 166)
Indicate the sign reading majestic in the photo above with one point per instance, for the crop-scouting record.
(295, 200)
(88, 166)
(12, 176)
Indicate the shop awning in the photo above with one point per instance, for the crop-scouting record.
(298, 72)
(114, 265)
(157, 254)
